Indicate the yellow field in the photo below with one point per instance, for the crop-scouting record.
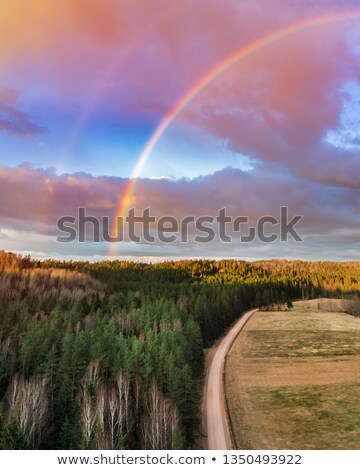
(292, 380)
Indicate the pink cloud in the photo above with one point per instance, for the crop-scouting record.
(170, 43)
(36, 198)
(277, 105)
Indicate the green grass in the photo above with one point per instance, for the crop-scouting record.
(300, 343)
(313, 417)
(306, 413)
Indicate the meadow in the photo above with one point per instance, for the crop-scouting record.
(292, 379)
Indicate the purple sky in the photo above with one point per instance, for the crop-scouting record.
(84, 85)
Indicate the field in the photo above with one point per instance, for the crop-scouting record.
(292, 379)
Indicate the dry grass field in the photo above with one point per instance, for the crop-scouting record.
(292, 379)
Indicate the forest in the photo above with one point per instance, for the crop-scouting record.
(110, 355)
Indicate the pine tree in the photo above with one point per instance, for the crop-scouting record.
(178, 440)
(12, 436)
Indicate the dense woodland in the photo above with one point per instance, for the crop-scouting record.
(110, 355)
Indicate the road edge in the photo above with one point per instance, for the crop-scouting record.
(228, 433)
(227, 414)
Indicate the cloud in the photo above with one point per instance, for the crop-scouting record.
(279, 105)
(145, 55)
(172, 44)
(3, 235)
(328, 215)
(131, 63)
(12, 120)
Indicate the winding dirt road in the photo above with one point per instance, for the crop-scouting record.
(214, 406)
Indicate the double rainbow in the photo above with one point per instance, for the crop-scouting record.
(203, 82)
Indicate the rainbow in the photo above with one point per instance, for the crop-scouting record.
(203, 82)
(100, 87)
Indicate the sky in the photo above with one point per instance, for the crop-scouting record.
(140, 104)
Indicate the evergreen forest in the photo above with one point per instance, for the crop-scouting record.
(110, 355)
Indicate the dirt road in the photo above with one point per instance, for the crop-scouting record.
(214, 408)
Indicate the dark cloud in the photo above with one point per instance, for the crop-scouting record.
(14, 121)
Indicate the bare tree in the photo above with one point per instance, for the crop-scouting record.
(137, 391)
(123, 388)
(101, 404)
(102, 441)
(90, 408)
(87, 417)
(92, 374)
(28, 403)
(161, 420)
(114, 417)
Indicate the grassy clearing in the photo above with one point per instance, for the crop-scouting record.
(293, 381)
(301, 417)
(301, 343)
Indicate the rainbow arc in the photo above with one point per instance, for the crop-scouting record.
(211, 75)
